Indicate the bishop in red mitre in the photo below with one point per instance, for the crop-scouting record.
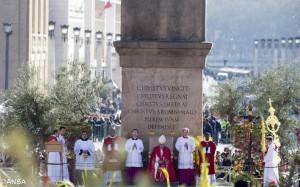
(209, 149)
(161, 158)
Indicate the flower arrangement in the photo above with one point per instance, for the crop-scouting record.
(241, 143)
(45, 179)
(272, 183)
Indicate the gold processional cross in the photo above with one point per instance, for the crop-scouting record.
(273, 123)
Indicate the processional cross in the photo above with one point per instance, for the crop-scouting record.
(273, 123)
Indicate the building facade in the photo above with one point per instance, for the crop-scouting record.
(88, 15)
(29, 39)
(271, 52)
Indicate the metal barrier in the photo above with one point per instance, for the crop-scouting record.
(224, 173)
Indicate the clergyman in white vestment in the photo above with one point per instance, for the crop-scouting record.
(61, 139)
(134, 147)
(54, 161)
(84, 150)
(270, 162)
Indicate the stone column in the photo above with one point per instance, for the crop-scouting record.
(89, 24)
(64, 53)
(269, 62)
(283, 57)
(262, 55)
(290, 52)
(77, 45)
(297, 48)
(87, 55)
(99, 58)
(255, 58)
(108, 72)
(51, 60)
(276, 62)
(162, 55)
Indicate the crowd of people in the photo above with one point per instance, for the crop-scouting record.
(106, 118)
(109, 106)
(219, 129)
(224, 158)
(102, 124)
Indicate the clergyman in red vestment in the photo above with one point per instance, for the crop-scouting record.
(54, 160)
(161, 158)
(112, 164)
(209, 149)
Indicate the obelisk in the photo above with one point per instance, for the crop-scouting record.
(162, 55)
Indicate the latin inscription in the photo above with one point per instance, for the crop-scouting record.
(160, 106)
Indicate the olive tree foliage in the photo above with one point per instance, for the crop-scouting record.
(227, 99)
(75, 94)
(282, 85)
(38, 107)
(30, 108)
